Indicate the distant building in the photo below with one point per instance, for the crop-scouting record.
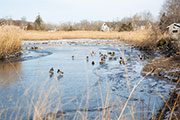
(24, 27)
(105, 28)
(174, 30)
(142, 25)
(52, 30)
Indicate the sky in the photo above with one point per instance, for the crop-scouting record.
(59, 11)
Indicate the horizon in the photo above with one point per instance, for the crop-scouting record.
(56, 12)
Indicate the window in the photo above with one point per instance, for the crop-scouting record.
(175, 31)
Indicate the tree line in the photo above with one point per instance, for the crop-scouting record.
(170, 13)
(125, 24)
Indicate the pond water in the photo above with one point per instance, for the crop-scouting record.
(85, 91)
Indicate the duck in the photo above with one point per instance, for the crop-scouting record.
(124, 62)
(113, 54)
(101, 62)
(51, 71)
(101, 55)
(102, 59)
(92, 53)
(110, 58)
(109, 53)
(60, 72)
(87, 58)
(73, 57)
(115, 58)
(105, 56)
(120, 62)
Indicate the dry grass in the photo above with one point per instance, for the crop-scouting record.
(132, 36)
(10, 42)
(152, 38)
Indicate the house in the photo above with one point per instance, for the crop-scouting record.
(142, 25)
(114, 26)
(52, 30)
(105, 28)
(122, 26)
(174, 30)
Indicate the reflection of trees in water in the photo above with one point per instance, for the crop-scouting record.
(8, 74)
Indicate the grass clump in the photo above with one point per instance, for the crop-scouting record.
(149, 44)
(10, 41)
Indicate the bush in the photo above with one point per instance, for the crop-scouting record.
(10, 41)
(126, 27)
(168, 46)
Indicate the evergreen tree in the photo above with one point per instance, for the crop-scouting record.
(38, 23)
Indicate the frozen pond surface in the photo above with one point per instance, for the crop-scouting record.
(85, 90)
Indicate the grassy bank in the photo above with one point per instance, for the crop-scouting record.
(166, 67)
(135, 36)
(10, 42)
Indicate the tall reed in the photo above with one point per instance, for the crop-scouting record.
(10, 41)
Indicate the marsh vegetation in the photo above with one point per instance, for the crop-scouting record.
(10, 41)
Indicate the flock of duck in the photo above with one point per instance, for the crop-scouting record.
(103, 57)
(59, 72)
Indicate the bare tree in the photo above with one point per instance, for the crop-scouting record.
(147, 16)
(170, 13)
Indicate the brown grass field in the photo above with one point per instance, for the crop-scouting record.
(135, 36)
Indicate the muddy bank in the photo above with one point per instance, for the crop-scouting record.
(166, 67)
(24, 55)
(14, 55)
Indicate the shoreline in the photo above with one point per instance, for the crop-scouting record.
(167, 68)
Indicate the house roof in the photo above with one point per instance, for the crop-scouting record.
(174, 24)
(177, 25)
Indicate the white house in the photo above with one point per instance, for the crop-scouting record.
(105, 28)
(52, 30)
(174, 30)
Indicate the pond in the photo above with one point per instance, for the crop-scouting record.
(85, 91)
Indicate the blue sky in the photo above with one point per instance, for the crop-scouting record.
(58, 11)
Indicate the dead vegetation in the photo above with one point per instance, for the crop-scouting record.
(10, 42)
(131, 36)
(171, 109)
